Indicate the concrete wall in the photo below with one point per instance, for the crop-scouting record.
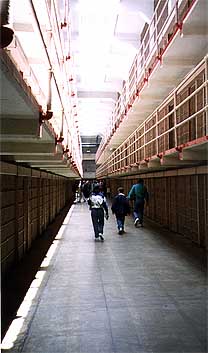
(178, 200)
(30, 200)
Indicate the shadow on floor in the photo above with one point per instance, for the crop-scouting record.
(183, 245)
(18, 279)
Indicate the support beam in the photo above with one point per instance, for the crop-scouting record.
(57, 158)
(17, 127)
(27, 149)
(154, 163)
(189, 155)
(143, 166)
(171, 161)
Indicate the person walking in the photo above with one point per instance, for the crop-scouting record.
(86, 189)
(139, 194)
(120, 207)
(98, 206)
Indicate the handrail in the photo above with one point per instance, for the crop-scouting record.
(58, 85)
(142, 73)
(46, 50)
(50, 63)
(59, 41)
(126, 147)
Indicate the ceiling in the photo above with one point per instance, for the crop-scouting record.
(105, 36)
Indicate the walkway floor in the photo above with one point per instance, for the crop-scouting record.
(143, 292)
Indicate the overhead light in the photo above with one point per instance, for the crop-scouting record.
(88, 151)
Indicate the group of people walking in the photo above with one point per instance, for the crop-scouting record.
(84, 188)
(120, 207)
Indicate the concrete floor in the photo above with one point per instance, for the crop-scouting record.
(143, 292)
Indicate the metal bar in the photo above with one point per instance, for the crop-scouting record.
(206, 93)
(119, 151)
(175, 120)
(46, 50)
(198, 210)
(142, 60)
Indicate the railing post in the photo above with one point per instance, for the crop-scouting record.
(156, 34)
(49, 90)
(198, 210)
(178, 23)
(144, 141)
(177, 12)
(157, 133)
(62, 123)
(196, 105)
(206, 94)
(175, 119)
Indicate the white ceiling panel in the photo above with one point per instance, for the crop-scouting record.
(105, 38)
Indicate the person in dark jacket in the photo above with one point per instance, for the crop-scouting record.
(86, 189)
(139, 194)
(120, 207)
(98, 205)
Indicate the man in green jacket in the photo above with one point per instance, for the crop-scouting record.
(139, 194)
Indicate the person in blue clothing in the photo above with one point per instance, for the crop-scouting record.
(120, 207)
(139, 194)
(98, 205)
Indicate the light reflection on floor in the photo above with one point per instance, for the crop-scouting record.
(17, 323)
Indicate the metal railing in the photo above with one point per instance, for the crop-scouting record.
(58, 96)
(181, 119)
(166, 22)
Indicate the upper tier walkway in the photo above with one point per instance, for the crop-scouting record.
(143, 292)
